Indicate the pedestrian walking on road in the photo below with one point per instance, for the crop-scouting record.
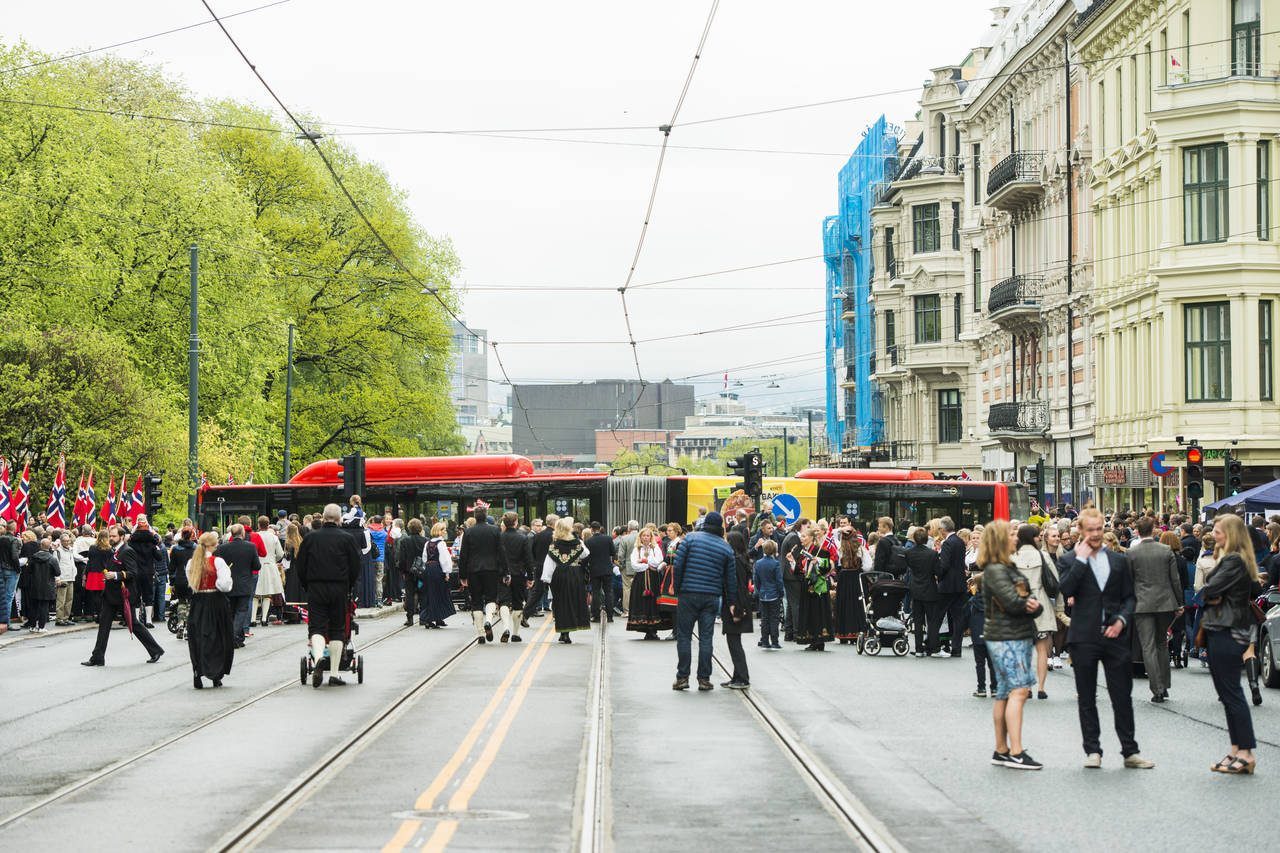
(1098, 583)
(66, 581)
(601, 547)
(411, 563)
(646, 568)
(210, 639)
(1009, 627)
(116, 595)
(923, 567)
(1157, 589)
(812, 622)
(622, 548)
(975, 623)
(539, 543)
(270, 576)
(850, 621)
(435, 603)
(704, 575)
(328, 566)
(564, 571)
(1229, 626)
(767, 576)
(482, 563)
(43, 565)
(1043, 580)
(953, 582)
(242, 556)
(736, 621)
(516, 582)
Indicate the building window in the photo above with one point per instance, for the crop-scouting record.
(1119, 106)
(1264, 190)
(950, 421)
(1207, 329)
(890, 261)
(977, 174)
(957, 320)
(1133, 89)
(955, 226)
(928, 319)
(977, 279)
(1246, 38)
(1204, 193)
(1102, 115)
(924, 224)
(1164, 57)
(1265, 326)
(890, 331)
(1186, 44)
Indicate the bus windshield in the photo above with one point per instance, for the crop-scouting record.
(1019, 501)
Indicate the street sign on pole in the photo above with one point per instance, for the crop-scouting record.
(1157, 466)
(787, 506)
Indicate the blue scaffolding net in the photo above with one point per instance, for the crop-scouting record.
(850, 262)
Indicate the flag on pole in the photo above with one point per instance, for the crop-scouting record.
(964, 475)
(109, 506)
(20, 503)
(6, 505)
(249, 482)
(77, 512)
(204, 487)
(90, 504)
(135, 507)
(55, 510)
(231, 479)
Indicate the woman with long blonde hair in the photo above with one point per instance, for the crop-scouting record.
(646, 562)
(563, 570)
(1230, 629)
(210, 638)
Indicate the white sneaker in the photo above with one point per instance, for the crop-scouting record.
(1093, 761)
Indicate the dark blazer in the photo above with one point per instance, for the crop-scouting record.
(124, 562)
(1191, 549)
(520, 555)
(481, 551)
(923, 568)
(600, 561)
(951, 573)
(242, 556)
(1117, 601)
(884, 553)
(327, 555)
(539, 544)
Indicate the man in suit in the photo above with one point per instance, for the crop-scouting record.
(539, 544)
(792, 584)
(242, 557)
(1158, 590)
(884, 548)
(621, 550)
(519, 572)
(119, 579)
(1190, 545)
(1098, 584)
(953, 583)
(482, 563)
(327, 565)
(600, 565)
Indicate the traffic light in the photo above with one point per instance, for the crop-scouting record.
(1195, 471)
(151, 485)
(750, 467)
(351, 475)
(1035, 481)
(738, 467)
(1235, 475)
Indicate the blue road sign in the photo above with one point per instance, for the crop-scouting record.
(787, 506)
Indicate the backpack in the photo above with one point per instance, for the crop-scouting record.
(898, 560)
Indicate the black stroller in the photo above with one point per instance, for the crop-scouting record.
(882, 595)
(351, 662)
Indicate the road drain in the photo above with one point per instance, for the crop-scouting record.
(470, 814)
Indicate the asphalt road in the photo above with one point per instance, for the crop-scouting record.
(493, 754)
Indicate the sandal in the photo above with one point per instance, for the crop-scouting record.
(1239, 765)
(1222, 765)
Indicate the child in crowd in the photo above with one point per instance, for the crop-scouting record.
(767, 579)
(973, 620)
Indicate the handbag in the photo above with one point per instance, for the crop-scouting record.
(418, 568)
(1048, 578)
(667, 590)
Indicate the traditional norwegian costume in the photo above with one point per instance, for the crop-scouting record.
(564, 571)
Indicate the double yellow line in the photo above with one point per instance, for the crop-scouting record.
(461, 798)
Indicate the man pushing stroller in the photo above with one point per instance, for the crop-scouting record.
(328, 566)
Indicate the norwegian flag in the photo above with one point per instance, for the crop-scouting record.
(90, 509)
(109, 506)
(20, 502)
(964, 475)
(135, 506)
(231, 479)
(204, 487)
(77, 512)
(55, 510)
(6, 504)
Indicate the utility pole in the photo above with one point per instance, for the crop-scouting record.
(785, 469)
(193, 389)
(288, 410)
(810, 414)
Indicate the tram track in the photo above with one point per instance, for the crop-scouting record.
(128, 761)
(866, 831)
(593, 834)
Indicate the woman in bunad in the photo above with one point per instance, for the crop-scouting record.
(292, 542)
(646, 563)
(851, 616)
(675, 535)
(562, 571)
(436, 601)
(812, 624)
(210, 639)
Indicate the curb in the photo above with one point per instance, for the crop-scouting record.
(17, 635)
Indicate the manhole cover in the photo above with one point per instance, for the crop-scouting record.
(470, 814)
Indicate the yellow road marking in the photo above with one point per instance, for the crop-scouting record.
(441, 837)
(426, 800)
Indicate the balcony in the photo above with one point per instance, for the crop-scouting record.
(1016, 299)
(892, 352)
(931, 167)
(1015, 182)
(1029, 418)
(892, 451)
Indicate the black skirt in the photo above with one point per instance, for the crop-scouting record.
(645, 616)
(569, 599)
(210, 639)
(851, 616)
(813, 617)
(436, 601)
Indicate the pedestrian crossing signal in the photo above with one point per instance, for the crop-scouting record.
(1235, 476)
(1195, 472)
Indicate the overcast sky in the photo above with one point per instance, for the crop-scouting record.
(538, 214)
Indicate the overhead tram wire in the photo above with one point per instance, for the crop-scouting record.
(313, 138)
(648, 213)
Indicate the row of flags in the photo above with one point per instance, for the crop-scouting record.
(15, 504)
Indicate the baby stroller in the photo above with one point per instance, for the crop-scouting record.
(351, 662)
(882, 596)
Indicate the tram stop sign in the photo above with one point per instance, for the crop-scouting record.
(787, 506)
(1157, 466)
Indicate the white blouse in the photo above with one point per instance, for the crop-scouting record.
(446, 559)
(651, 560)
(549, 564)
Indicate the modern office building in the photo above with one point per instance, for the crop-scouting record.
(469, 378)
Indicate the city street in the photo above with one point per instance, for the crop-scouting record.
(524, 747)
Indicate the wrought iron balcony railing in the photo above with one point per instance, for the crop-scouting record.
(1021, 166)
(1024, 290)
(1031, 417)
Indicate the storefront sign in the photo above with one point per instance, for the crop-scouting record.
(1114, 475)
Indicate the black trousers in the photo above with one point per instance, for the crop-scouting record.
(793, 589)
(535, 597)
(926, 615)
(111, 611)
(410, 595)
(952, 606)
(1224, 665)
(482, 589)
(602, 594)
(327, 610)
(1114, 655)
(983, 666)
(739, 657)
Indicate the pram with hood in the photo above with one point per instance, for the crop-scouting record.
(882, 595)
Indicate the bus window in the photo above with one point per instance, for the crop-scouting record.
(918, 511)
(862, 512)
(973, 513)
(1019, 501)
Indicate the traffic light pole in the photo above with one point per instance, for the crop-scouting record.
(193, 388)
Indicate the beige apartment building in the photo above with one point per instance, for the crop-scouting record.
(1185, 110)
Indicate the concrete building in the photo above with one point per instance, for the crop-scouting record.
(469, 378)
(1185, 108)
(562, 418)
(487, 439)
(609, 443)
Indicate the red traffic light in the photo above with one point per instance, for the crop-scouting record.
(1194, 456)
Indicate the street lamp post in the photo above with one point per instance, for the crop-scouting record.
(288, 410)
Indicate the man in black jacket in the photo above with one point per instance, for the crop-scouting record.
(119, 582)
(327, 565)
(1099, 584)
(481, 565)
(146, 544)
(600, 564)
(953, 583)
(10, 546)
(1190, 546)
(245, 564)
(884, 561)
(539, 544)
(792, 584)
(519, 572)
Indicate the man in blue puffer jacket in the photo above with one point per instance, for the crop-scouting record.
(703, 573)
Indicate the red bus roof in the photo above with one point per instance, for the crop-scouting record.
(403, 469)
(864, 475)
